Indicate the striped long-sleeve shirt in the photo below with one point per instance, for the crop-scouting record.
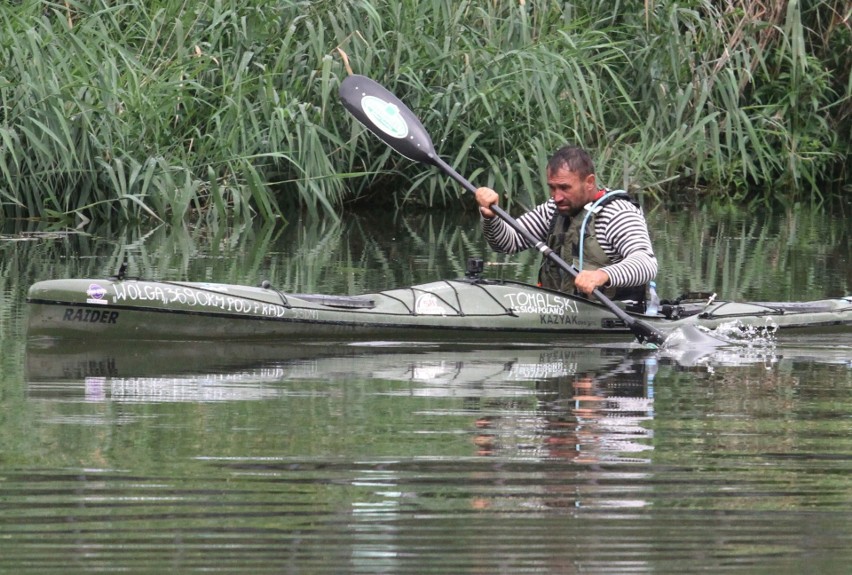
(620, 228)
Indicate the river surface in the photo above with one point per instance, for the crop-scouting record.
(398, 457)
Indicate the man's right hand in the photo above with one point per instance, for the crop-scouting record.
(486, 197)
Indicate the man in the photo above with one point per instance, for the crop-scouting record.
(601, 231)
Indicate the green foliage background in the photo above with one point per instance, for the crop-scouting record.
(227, 110)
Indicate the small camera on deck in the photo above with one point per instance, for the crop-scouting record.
(474, 268)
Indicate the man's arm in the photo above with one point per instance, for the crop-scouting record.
(503, 238)
(623, 234)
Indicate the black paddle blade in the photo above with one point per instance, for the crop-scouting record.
(387, 117)
(646, 333)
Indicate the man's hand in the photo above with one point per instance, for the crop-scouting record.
(486, 197)
(587, 280)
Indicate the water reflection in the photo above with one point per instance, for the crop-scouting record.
(534, 429)
(581, 414)
(584, 405)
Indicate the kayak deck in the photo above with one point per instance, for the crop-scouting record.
(441, 310)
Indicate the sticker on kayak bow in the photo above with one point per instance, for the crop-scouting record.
(385, 116)
(96, 294)
(427, 304)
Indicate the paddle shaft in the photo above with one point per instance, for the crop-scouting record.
(537, 244)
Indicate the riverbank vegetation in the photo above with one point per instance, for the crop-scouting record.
(228, 110)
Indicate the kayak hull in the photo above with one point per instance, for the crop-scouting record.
(461, 309)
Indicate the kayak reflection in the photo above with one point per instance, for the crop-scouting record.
(140, 371)
(584, 403)
(60, 366)
(209, 371)
(573, 420)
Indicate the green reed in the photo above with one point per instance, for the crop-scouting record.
(226, 111)
(162, 110)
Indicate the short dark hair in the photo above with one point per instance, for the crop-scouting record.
(574, 158)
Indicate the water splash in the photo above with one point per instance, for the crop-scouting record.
(759, 336)
(730, 343)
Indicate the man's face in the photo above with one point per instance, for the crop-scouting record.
(569, 191)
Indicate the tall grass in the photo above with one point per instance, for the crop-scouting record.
(227, 110)
(741, 100)
(165, 110)
(737, 98)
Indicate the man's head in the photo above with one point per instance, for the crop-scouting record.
(571, 179)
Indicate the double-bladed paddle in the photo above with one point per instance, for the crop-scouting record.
(388, 118)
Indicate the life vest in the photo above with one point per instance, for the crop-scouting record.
(575, 241)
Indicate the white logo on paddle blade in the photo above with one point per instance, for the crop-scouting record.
(385, 116)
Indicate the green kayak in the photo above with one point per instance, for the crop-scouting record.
(457, 309)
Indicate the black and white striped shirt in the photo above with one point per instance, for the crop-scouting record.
(620, 229)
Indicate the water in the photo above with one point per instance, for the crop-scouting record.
(394, 457)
